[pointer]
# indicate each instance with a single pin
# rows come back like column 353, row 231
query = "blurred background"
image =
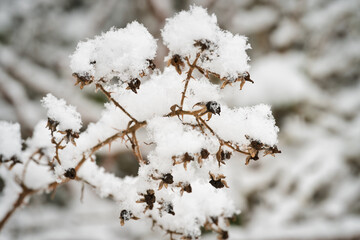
column 305, row 60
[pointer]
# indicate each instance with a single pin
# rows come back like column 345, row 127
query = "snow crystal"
column 122, row 53
column 66, row 115
column 10, row 139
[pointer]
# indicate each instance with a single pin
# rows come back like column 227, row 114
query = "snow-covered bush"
column 178, row 113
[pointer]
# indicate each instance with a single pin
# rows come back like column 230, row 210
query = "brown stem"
column 108, row 95
column 121, row 134
column 26, row 191
column 187, row 80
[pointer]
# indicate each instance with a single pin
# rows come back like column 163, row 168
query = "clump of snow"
column 256, row 122
column 229, row 59
column 191, row 32
column 10, row 139
column 181, row 31
column 122, row 53
column 66, row 115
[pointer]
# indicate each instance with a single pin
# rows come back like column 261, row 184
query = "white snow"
column 59, row 111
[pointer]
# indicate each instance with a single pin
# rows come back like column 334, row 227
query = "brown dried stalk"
column 108, row 95
column 189, row 76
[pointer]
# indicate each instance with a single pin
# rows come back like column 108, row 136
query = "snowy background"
column 305, row 62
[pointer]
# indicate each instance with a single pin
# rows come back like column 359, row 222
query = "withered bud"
column 187, row 188
column 70, row 136
column 169, row 208
column 204, row 153
column 134, row 84
column 70, row 173
column 150, row 198
column 187, row 157
column 177, row 62
column 246, row 76
column 83, row 80
column 225, row 155
column 125, row 215
column 52, row 125
column 204, row 44
column 223, row 235
column 151, row 64
column 168, row 178
column 216, row 183
column 256, row 145
column 213, row 107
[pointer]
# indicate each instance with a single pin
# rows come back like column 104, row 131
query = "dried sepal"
column 52, row 125
column 208, row 108
column 126, row 215
column 149, row 198
column 184, row 187
column 151, row 64
column 165, row 180
column 271, row 151
column 204, row 154
column 70, row 136
column 83, row 80
column 222, row 234
column 167, row 207
column 134, row 85
column 242, row 78
column 203, row 44
column 178, row 62
column 218, row 181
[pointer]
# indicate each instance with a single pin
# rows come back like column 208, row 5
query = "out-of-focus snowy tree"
column 305, row 60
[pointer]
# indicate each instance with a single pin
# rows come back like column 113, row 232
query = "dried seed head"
column 216, row 183
column 134, row 84
column 168, row 178
column 125, row 215
column 151, row 63
column 177, row 62
column 70, row 173
column 150, row 198
column 223, row 235
column 169, row 208
column 213, row 107
column 203, row 44
column 187, row 188
column 84, row 79
column 256, row 145
column 204, row 153
column 52, row 125
column 187, row 157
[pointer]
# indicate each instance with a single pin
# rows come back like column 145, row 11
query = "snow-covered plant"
column 177, row 114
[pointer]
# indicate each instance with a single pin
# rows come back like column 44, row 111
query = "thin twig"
column 189, row 75
column 108, row 95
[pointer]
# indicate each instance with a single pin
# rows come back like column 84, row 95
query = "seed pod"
column 213, row 107
column 168, row 178
column 70, row 173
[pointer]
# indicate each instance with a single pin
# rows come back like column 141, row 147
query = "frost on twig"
column 181, row 185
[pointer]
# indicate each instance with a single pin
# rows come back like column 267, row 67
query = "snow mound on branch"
column 66, row 115
column 122, row 53
column 256, row 122
column 181, row 31
column 222, row 52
